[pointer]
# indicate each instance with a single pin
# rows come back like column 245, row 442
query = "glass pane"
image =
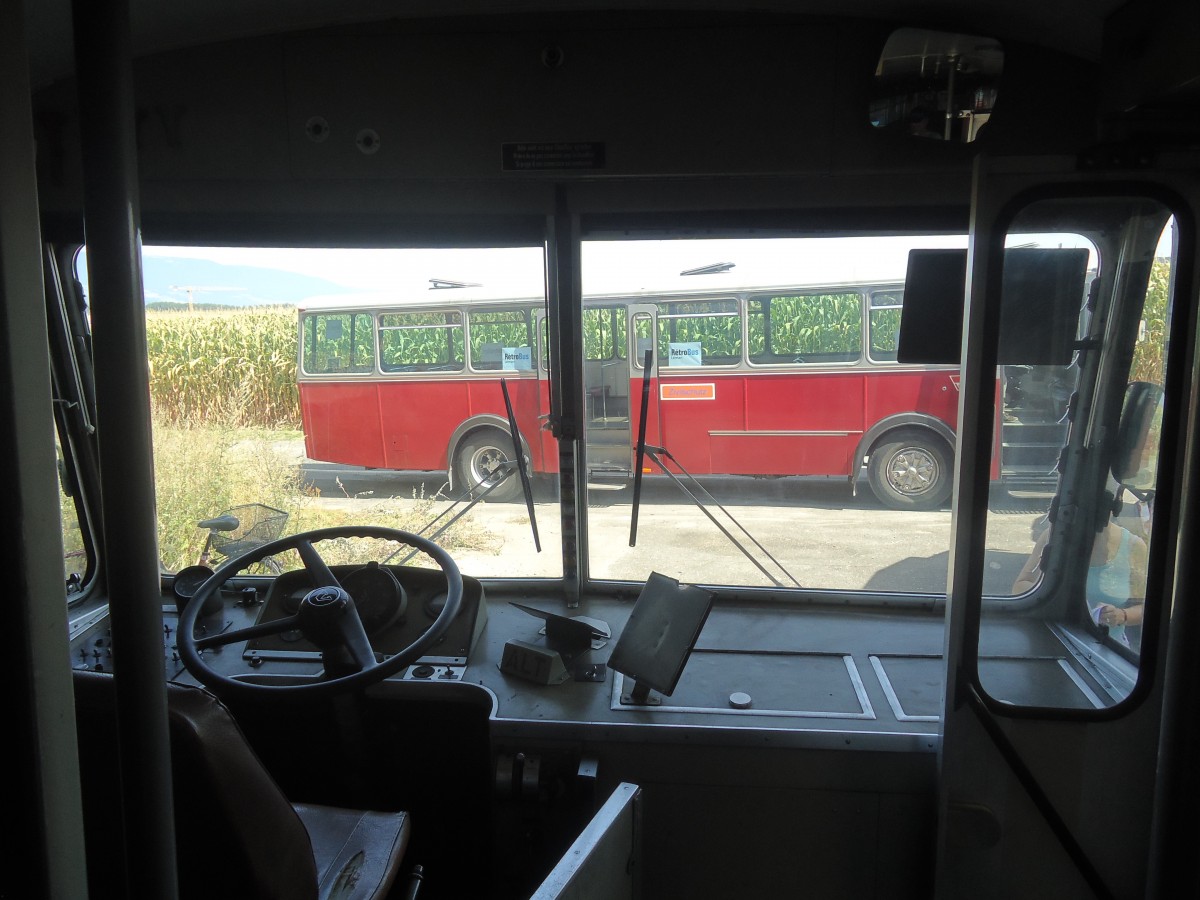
column 75, row 553
column 338, row 343
column 884, row 324
column 775, row 438
column 604, row 333
column 498, row 337
column 1081, row 582
column 236, row 431
column 414, row 342
column 809, row 328
column 643, row 333
column 699, row 333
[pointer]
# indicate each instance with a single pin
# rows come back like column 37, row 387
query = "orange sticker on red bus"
column 687, row 391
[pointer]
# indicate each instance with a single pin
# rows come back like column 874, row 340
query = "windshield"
column 746, row 419
column 276, row 413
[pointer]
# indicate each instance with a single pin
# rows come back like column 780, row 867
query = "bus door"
column 642, row 330
column 1067, row 755
column 606, row 389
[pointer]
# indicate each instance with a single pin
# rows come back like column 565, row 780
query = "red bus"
column 795, row 380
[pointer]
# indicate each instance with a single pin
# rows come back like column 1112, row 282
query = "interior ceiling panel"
column 1071, row 25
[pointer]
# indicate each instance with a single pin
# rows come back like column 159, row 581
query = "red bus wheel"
column 479, row 461
column 911, row 471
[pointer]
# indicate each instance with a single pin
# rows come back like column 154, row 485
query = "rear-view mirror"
column 935, row 84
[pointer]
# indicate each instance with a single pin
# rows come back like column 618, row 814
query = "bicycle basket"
column 258, row 524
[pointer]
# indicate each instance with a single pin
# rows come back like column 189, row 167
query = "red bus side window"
column 884, row 324
column 421, row 342
column 805, row 328
column 338, row 343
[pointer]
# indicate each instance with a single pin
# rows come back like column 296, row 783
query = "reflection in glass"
column 1081, row 588
column 936, row 85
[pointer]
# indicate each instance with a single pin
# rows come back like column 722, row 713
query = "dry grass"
column 203, row 470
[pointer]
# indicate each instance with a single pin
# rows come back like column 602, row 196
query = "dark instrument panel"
column 396, row 604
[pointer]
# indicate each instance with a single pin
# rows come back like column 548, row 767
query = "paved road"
column 821, row 534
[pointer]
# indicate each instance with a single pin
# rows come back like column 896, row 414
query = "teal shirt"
column 1109, row 583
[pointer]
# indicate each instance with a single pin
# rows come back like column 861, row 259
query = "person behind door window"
column 1115, row 585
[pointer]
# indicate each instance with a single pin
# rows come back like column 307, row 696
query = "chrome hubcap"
column 485, row 462
column 912, row 471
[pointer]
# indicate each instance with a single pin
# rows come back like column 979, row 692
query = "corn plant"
column 237, row 367
column 1149, row 354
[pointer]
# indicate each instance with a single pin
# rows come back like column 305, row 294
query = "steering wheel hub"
column 327, row 597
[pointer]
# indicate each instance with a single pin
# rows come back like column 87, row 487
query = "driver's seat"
column 237, row 835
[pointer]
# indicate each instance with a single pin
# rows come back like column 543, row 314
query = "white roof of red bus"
column 633, row 268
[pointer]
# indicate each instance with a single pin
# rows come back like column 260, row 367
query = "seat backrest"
column 236, row 834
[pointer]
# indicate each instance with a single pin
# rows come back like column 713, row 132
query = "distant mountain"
column 213, row 283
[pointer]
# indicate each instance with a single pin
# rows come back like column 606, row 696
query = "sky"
column 239, row 276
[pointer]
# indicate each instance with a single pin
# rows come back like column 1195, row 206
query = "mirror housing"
column 935, row 84
column 1135, row 458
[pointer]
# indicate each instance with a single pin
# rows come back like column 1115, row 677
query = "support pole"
column 43, row 850
column 104, row 72
column 563, row 289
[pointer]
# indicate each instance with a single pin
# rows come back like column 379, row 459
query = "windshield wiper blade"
column 493, row 479
column 522, row 471
column 653, row 452
column 644, row 450
column 641, row 449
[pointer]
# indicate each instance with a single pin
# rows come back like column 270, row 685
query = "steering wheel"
column 327, row 617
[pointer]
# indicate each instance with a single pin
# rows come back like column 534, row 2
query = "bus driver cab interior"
column 584, row 451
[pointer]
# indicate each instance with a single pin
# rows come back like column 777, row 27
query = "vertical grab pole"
column 104, row 70
column 43, row 853
column 564, row 295
column 641, row 449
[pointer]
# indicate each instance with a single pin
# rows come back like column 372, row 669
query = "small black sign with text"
column 534, row 156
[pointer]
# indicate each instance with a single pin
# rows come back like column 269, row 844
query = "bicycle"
column 241, row 529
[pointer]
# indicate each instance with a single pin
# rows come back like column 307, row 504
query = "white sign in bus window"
column 684, row 353
column 518, row 359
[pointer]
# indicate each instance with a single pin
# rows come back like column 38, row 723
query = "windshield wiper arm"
column 522, row 471
column 641, row 449
column 644, row 450
column 493, row 480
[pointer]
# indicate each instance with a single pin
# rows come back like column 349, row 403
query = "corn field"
column 1149, row 354
column 237, row 367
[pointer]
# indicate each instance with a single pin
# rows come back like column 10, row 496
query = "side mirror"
column 1135, row 461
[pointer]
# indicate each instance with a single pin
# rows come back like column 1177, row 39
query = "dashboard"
column 783, row 674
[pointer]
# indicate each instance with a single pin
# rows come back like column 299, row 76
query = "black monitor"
column 1041, row 298
column 659, row 636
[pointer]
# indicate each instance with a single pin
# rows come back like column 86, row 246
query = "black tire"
column 478, row 456
column 911, row 470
